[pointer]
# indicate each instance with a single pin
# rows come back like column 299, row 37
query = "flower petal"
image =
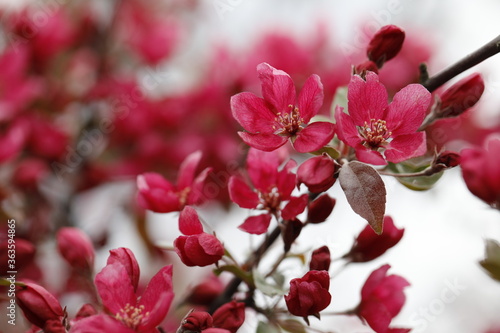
column 99, row 323
column 157, row 298
column 367, row 99
column 126, row 258
column 198, row 193
column 187, row 169
column 253, row 113
column 241, row 194
column 372, row 282
column 407, row 110
column 256, row 225
column 406, row 146
column 294, row 207
column 369, row 156
column 189, row 223
column 277, row 87
column 263, row 141
column 115, row 287
column 311, row 98
column 315, row 136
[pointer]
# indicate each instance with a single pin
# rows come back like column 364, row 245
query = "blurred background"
column 93, row 93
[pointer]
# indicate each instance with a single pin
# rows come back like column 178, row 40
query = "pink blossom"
column 382, row 298
column 270, row 121
column 159, row 195
column 271, row 187
column 380, row 131
column 127, row 311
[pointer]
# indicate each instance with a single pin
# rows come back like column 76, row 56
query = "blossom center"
column 132, row 316
column 375, row 133
column 183, row 196
column 288, row 123
column 271, row 200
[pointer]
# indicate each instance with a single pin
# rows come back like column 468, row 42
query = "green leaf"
column 293, row 326
column 265, row 327
column 422, row 183
column 492, row 261
column 332, row 152
column 365, row 192
column 266, row 287
column 340, row 99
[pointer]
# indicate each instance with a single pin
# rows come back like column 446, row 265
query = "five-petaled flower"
column 379, row 131
column 128, row 313
column 278, row 116
column 272, row 187
column 159, row 195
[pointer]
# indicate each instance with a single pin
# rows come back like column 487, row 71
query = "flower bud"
column 320, row 209
column 54, row 326
column 292, row 229
column 199, row 250
column 230, row 316
column 76, row 248
column 481, row 172
column 385, row 45
column 320, row 259
column 309, row 295
column 207, row 291
column 362, row 68
column 196, row 321
column 461, row 96
column 447, row 159
column 38, row 304
column 369, row 245
column 318, row 173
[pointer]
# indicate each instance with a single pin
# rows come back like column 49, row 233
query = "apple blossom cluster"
column 73, row 120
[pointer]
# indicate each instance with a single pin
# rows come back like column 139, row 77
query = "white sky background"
column 445, row 227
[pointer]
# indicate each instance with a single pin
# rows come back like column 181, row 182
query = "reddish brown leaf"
column 365, row 192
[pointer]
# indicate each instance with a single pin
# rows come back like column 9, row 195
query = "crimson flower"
column 481, row 172
column 128, row 313
column 380, row 131
column 382, row 298
column 309, row 295
column 159, row 195
column 271, row 187
column 369, row 245
column 270, row 121
column 197, row 248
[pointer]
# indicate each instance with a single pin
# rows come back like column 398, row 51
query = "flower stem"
column 489, row 49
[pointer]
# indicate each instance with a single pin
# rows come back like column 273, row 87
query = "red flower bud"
column 320, row 209
column 481, row 172
column 38, row 304
column 318, row 173
column 199, row 250
column 85, row 311
column 309, row 295
column 369, row 245
column 290, row 233
column 386, row 44
column 54, row 326
column 447, row 159
column 230, row 316
column 320, row 259
column 196, row 321
column 461, row 96
column 205, row 292
column 76, row 248
column 366, row 66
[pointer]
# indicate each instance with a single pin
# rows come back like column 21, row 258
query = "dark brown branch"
column 483, row 53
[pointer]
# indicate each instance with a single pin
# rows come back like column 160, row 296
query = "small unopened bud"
column 38, row 305
column 230, row 316
column 320, row 209
column 362, row 68
column 318, row 173
column 385, row 45
column 460, row 97
column 320, row 259
column 447, row 159
column 196, row 321
column 291, row 232
column 76, row 248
